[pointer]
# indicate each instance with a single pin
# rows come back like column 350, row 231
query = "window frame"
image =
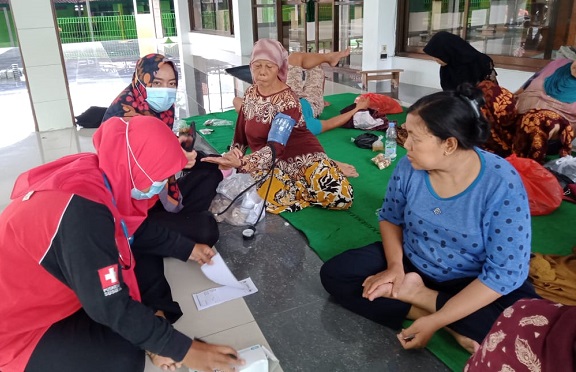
column 502, row 61
column 191, row 4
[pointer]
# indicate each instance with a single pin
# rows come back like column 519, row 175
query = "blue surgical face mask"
column 160, row 99
column 155, row 189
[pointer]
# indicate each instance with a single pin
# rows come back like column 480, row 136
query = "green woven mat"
column 332, row 232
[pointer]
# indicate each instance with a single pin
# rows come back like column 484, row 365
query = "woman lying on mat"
column 303, row 174
column 184, row 204
column 455, row 226
column 82, row 271
column 306, row 78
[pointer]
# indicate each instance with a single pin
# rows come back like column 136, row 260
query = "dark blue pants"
column 343, row 275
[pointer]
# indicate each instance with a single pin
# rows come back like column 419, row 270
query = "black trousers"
column 343, row 275
column 198, row 188
column 77, row 343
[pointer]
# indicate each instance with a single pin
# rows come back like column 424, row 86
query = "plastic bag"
column 383, row 104
column 245, row 210
column 363, row 120
column 565, row 165
column 218, row 122
column 543, row 189
column 365, row 140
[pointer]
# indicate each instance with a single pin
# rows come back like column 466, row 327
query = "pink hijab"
column 273, row 51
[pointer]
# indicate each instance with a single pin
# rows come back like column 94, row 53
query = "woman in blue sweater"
column 455, row 227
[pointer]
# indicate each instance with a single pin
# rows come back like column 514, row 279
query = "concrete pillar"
column 379, row 29
column 44, row 66
column 243, row 26
column 183, row 27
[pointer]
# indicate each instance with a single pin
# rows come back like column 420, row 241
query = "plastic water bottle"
column 390, row 147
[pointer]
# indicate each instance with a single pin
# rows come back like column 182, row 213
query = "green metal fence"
column 169, row 24
column 77, row 29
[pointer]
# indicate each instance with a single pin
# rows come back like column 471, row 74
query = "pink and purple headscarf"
column 273, row 51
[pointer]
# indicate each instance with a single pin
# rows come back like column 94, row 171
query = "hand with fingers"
column 419, row 333
column 383, row 284
column 202, row 253
column 229, row 160
column 362, row 103
column 164, row 363
column 209, row 357
column 191, row 157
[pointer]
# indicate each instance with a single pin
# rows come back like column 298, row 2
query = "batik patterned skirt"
column 300, row 183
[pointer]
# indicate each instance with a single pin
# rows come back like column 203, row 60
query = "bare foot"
column 335, row 57
column 347, row 169
column 410, row 287
column 467, row 343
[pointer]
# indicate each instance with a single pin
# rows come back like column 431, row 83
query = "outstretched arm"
column 338, row 121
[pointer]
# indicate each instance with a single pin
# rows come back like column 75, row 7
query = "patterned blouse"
column 253, row 125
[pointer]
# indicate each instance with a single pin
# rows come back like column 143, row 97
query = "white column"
column 44, row 67
column 243, row 26
column 183, row 28
column 379, row 29
column 157, row 15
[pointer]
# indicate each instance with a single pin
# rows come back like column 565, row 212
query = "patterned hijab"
column 561, row 85
column 273, row 51
column 132, row 100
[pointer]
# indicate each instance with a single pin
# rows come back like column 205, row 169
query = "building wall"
column 240, row 43
column 379, row 29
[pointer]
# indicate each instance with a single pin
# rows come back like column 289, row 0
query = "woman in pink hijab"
column 303, row 175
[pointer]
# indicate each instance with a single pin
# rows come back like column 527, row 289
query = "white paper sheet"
column 230, row 288
column 219, row 273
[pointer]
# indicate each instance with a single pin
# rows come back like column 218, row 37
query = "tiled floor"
column 291, row 313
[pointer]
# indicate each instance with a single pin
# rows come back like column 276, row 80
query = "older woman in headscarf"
column 303, row 174
column 460, row 61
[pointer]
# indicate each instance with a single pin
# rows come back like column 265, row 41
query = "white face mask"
column 160, row 99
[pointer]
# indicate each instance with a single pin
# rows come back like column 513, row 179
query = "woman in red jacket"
column 80, row 263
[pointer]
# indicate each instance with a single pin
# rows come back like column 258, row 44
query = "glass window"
column 265, row 18
column 511, row 31
column 211, row 16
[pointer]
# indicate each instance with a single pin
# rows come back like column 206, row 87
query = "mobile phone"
column 189, row 137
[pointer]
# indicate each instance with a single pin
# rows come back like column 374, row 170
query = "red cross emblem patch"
column 109, row 279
